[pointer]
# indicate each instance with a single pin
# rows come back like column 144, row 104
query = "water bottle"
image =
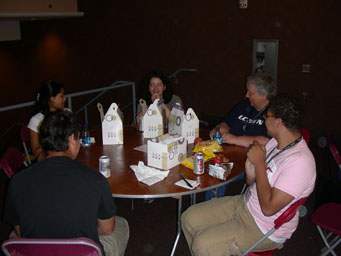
column 217, row 135
column 85, row 136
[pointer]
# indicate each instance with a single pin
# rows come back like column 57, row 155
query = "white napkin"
column 183, row 184
column 148, row 175
column 143, row 148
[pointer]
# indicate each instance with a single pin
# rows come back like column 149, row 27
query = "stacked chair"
column 327, row 219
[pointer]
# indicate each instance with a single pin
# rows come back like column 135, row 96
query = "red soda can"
column 199, row 164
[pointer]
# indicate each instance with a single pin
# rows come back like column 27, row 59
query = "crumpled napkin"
column 148, row 175
column 183, row 184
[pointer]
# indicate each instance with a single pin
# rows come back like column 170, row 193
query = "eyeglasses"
column 266, row 116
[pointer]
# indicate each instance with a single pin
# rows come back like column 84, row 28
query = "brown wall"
column 124, row 39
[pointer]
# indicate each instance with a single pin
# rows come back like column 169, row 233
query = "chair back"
column 286, row 216
column 306, row 135
column 25, row 134
column 334, row 151
column 51, row 247
column 25, row 139
column 12, row 161
column 289, row 213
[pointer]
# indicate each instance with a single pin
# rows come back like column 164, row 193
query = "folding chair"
column 51, row 247
column 336, row 155
column 327, row 219
column 25, row 138
column 12, row 161
column 306, row 135
column 285, row 217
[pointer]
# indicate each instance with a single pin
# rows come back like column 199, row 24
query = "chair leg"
column 193, row 199
column 215, row 192
column 243, row 189
column 329, row 245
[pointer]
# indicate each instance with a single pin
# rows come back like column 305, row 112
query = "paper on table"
column 143, row 148
column 148, row 175
column 183, row 184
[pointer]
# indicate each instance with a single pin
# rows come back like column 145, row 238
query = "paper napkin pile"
column 183, row 184
column 148, row 175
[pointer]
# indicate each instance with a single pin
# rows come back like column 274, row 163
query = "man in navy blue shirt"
column 245, row 123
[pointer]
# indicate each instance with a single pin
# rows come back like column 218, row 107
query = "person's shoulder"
column 35, row 121
column 37, row 117
column 85, row 170
column 245, row 103
column 23, row 176
column 176, row 98
column 305, row 152
column 242, row 106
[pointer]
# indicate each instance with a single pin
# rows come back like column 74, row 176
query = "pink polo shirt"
column 293, row 172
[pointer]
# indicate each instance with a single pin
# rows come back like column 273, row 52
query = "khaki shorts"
column 222, row 226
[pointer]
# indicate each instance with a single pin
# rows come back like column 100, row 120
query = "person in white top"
column 49, row 99
column 279, row 173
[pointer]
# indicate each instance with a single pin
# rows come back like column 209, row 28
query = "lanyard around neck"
column 259, row 113
column 282, row 150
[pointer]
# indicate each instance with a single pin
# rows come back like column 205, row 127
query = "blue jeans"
column 220, row 191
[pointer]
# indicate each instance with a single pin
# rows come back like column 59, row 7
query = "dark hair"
column 144, row 87
column 55, row 131
column 49, row 89
column 264, row 83
column 289, row 109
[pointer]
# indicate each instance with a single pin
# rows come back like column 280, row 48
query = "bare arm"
column 106, row 227
column 17, row 230
column 243, row 141
column 271, row 200
column 250, row 172
column 138, row 118
column 35, row 145
column 223, row 128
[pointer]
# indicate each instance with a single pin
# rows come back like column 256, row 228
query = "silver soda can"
column 141, row 123
column 104, row 166
column 199, row 165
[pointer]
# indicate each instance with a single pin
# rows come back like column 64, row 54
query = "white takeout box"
column 166, row 151
column 152, row 121
column 112, row 127
column 185, row 125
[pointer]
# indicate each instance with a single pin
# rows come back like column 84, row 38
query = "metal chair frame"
column 327, row 221
column 25, row 137
column 283, row 218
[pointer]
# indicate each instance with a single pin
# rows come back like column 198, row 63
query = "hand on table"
column 228, row 138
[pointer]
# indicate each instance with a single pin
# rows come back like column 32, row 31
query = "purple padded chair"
column 12, row 161
column 51, row 247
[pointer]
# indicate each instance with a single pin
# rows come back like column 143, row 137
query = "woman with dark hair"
column 155, row 85
column 49, row 100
